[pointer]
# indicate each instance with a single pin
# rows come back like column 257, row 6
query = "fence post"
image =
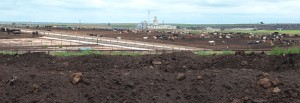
column 97, row 41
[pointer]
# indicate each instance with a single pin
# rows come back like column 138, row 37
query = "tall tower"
column 155, row 21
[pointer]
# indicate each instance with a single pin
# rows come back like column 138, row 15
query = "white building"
column 157, row 26
column 162, row 27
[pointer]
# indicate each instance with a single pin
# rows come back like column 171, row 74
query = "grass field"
column 88, row 52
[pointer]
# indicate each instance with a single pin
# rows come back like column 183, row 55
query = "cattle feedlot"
column 59, row 64
column 149, row 51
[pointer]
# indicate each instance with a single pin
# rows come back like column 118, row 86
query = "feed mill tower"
column 155, row 21
column 156, row 25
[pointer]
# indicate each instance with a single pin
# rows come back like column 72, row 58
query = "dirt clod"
column 199, row 77
column 156, row 62
column 265, row 82
column 180, row 76
column 75, row 78
column 118, row 79
column 276, row 90
column 275, row 82
column 243, row 63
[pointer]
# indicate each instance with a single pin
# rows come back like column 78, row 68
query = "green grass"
column 90, row 52
column 67, row 54
column 8, row 52
column 125, row 53
column 280, row 51
column 45, row 46
column 209, row 53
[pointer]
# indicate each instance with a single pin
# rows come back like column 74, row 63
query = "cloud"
column 175, row 11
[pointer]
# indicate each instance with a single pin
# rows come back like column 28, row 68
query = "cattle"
column 163, row 37
column 14, row 31
column 228, row 36
column 255, row 42
column 145, row 38
column 35, row 33
column 202, row 36
column 126, row 32
column 154, row 37
column 134, row 31
column 118, row 37
column 212, row 42
column 3, row 29
column 92, row 34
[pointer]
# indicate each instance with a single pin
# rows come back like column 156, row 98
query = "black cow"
column 35, row 33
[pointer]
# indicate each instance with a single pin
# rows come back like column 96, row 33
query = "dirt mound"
column 176, row 77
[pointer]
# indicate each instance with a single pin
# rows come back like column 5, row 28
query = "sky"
column 167, row 11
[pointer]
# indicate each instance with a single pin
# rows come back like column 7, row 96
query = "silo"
column 155, row 21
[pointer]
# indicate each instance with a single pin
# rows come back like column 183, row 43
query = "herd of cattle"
column 271, row 39
column 252, row 39
column 11, row 31
column 16, row 31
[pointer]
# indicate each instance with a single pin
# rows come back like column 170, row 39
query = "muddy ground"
column 168, row 78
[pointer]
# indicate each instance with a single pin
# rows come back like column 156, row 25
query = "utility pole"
column 79, row 23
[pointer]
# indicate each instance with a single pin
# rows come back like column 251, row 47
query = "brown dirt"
column 177, row 77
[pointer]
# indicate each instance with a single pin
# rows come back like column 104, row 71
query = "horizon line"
column 30, row 22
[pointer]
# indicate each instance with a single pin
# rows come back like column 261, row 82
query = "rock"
column 75, row 78
column 276, row 90
column 180, row 76
column 276, row 82
column 199, row 77
column 243, row 63
column 155, row 62
column 35, row 88
column 265, row 82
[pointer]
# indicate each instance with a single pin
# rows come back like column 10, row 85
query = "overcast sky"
column 134, row 11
